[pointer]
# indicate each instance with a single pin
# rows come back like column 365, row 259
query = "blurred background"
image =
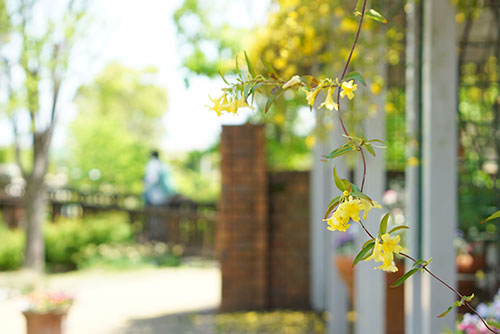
column 212, row 233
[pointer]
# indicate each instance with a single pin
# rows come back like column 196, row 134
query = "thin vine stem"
column 344, row 129
column 346, row 66
column 424, row 267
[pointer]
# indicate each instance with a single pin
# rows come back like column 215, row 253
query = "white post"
column 328, row 292
column 413, row 311
column 439, row 159
column 370, row 283
column 317, row 231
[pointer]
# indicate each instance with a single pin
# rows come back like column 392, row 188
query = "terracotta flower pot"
column 44, row 323
column 394, row 296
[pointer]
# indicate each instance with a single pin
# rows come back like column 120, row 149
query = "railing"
column 181, row 221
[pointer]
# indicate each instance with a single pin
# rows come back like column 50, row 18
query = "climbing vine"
column 347, row 207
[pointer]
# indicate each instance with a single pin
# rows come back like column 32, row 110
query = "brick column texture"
column 242, row 228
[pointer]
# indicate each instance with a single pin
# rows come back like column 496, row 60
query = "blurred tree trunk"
column 36, row 202
column 44, row 44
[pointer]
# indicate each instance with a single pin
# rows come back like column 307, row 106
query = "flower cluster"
column 384, row 250
column 49, row 302
column 472, row 324
column 227, row 104
column 349, row 208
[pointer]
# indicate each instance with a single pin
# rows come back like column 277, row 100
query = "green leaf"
column 376, row 140
column 270, row 68
column 359, row 5
column 364, row 252
column 369, row 148
column 223, row 78
column 249, row 65
column 405, row 277
column 374, row 15
column 455, row 304
column 336, row 199
column 360, row 194
column 246, row 90
column 275, row 94
column 419, row 262
column 356, row 76
column 458, row 303
column 367, row 242
column 331, row 207
column 493, row 324
column 493, row 216
column 397, row 228
column 356, row 189
column 338, row 182
column 339, row 151
column 383, row 223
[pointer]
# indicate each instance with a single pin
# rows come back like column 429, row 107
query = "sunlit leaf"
column 383, row 223
column 331, row 207
column 493, row 216
column 223, row 78
column 369, row 148
column 275, row 94
column 338, row 182
column 419, row 262
column 249, row 65
column 360, row 194
column 356, row 76
column 404, row 277
column 458, row 303
column 493, row 324
column 364, row 252
column 339, row 151
column 397, row 228
column 374, row 15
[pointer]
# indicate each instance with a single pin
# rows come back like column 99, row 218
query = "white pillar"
column 370, row 283
column 439, row 159
column 413, row 311
column 328, row 292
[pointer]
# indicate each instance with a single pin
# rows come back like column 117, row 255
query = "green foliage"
column 364, row 252
column 200, row 24
column 458, row 303
column 290, row 322
column 197, row 174
column 65, row 239
column 11, row 248
column 403, row 278
column 127, row 255
column 117, row 126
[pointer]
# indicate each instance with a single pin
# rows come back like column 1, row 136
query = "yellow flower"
column 328, row 103
column 337, row 223
column 391, row 245
column 368, row 205
column 217, row 104
column 388, row 265
column 230, row 105
column 348, row 88
column 295, row 80
column 351, row 208
column 311, row 95
column 376, row 254
column 383, row 251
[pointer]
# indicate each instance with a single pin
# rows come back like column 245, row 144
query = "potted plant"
column 46, row 312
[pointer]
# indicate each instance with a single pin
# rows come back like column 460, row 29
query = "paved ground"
column 148, row 301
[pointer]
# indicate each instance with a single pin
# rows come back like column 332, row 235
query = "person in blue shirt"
column 157, row 190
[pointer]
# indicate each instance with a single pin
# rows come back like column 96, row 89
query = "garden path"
column 147, row 301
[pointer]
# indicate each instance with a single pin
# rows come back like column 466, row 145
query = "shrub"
column 66, row 238
column 11, row 248
column 128, row 255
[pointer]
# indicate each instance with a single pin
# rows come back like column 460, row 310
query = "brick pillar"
column 289, row 240
column 242, row 230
